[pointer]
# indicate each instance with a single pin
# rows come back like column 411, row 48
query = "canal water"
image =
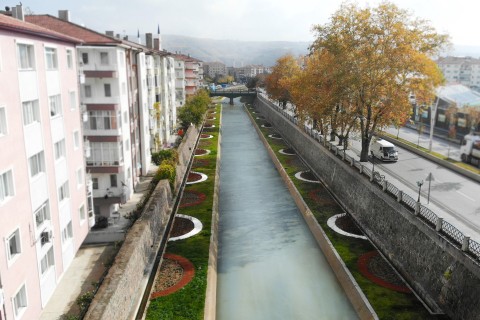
column 269, row 265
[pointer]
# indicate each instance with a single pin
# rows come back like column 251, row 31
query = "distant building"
column 250, row 71
column 213, row 69
column 44, row 208
column 463, row 70
column 193, row 73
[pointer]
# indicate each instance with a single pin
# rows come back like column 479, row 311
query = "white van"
column 384, row 150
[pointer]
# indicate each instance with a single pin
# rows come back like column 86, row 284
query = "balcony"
column 100, row 74
column 86, row 148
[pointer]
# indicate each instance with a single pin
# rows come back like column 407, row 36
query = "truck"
column 384, row 150
column 470, row 149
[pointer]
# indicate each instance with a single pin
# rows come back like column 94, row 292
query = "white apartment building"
column 462, row 70
column 44, row 207
column 180, row 93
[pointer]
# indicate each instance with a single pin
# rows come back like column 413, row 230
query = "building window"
column 79, row 177
column 113, row 180
column 60, row 149
column 20, row 301
column 6, row 185
column 36, row 164
column 81, row 212
column 31, row 112
column 73, row 99
column 88, row 91
column 26, row 56
column 67, row 233
column 51, row 58
column 105, row 154
column 85, row 58
column 104, row 58
column 55, row 105
column 47, row 261
column 122, row 59
column 63, row 192
column 13, row 245
column 108, row 90
column 95, row 183
column 101, row 120
column 42, row 214
column 3, row 121
column 76, row 139
column 69, row 59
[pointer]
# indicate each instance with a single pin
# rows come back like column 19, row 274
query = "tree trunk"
column 284, row 103
column 340, row 140
column 365, row 148
column 332, row 135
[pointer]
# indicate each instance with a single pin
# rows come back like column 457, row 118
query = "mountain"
column 232, row 52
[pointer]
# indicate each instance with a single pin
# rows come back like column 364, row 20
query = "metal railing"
column 430, row 218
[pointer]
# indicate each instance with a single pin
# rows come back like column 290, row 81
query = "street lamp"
column 419, row 184
column 373, row 162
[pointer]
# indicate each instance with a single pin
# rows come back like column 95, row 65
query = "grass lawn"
column 388, row 304
column 188, row 302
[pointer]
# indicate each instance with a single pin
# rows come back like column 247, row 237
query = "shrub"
column 84, row 300
column 158, row 157
column 101, row 222
column 166, row 171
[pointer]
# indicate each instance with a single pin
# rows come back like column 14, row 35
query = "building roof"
column 71, row 29
column 185, row 57
column 16, row 25
column 459, row 94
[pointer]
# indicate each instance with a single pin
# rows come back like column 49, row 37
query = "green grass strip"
column 189, row 302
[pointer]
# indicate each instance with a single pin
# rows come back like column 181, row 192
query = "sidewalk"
column 91, row 260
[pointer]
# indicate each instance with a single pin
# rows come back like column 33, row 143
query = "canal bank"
column 269, row 264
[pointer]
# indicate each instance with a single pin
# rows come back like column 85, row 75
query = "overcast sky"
column 262, row 20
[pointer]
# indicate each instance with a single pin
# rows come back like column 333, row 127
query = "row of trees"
column 361, row 69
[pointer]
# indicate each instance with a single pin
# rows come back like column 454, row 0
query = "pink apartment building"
column 193, row 73
column 44, row 209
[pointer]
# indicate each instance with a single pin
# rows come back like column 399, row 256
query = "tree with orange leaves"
column 276, row 83
column 379, row 56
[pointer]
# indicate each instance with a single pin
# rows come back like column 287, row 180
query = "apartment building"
column 180, row 93
column 213, row 69
column 113, row 69
column 250, row 71
column 44, row 209
column 462, row 70
column 193, row 73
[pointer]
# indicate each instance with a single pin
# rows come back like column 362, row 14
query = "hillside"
column 233, row 52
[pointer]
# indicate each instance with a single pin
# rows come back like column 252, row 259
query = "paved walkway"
column 89, row 263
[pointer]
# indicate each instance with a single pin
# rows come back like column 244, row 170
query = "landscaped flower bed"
column 189, row 301
column 387, row 302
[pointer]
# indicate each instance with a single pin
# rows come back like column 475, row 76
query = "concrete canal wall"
column 441, row 274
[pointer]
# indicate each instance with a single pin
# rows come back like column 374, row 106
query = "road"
column 452, row 196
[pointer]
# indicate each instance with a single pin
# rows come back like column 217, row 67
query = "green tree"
column 381, row 55
column 194, row 109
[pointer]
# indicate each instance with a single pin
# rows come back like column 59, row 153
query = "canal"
column 269, row 265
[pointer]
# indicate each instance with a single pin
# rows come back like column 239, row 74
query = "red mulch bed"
column 289, row 151
column 211, row 118
column 175, row 273
column 199, row 163
column 191, row 198
column 192, row 177
column 276, row 135
column 205, row 136
column 373, row 267
column 267, row 125
column 308, row 175
column 181, row 226
column 322, row 197
column 200, row 152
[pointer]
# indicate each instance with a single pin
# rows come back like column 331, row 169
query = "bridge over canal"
column 234, row 93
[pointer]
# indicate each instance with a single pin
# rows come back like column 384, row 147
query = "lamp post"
column 373, row 162
column 419, row 184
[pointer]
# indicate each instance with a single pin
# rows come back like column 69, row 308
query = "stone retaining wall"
column 122, row 289
column 439, row 272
